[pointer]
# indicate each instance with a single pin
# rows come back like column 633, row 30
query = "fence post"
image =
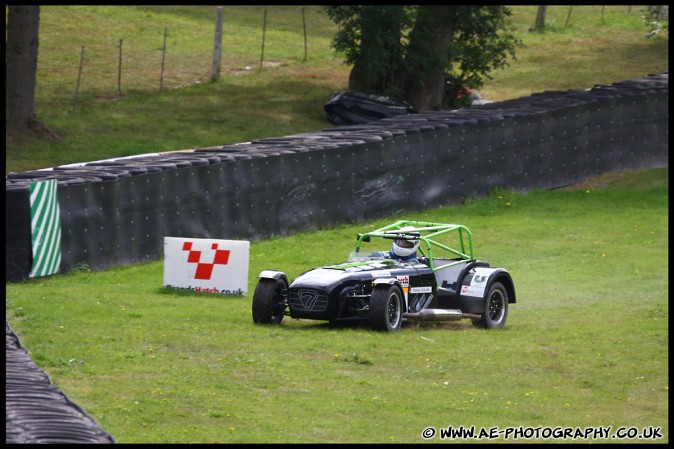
column 264, row 30
column 163, row 60
column 217, row 44
column 119, row 70
column 304, row 25
column 566, row 24
column 79, row 77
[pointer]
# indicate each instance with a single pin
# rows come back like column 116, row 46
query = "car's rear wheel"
column 495, row 308
column 386, row 308
column 269, row 302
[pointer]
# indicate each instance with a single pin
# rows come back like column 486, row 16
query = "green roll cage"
column 426, row 232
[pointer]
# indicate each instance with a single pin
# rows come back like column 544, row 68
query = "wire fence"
column 112, row 70
column 179, row 58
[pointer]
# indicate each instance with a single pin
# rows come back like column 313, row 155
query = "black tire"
column 269, row 301
column 386, row 308
column 495, row 308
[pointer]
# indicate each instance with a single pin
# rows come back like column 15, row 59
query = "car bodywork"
column 445, row 282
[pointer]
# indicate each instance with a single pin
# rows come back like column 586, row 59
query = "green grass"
column 585, row 345
column 594, row 48
column 286, row 96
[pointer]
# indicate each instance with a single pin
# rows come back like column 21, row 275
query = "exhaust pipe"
column 439, row 315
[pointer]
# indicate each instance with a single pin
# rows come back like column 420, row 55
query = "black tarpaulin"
column 350, row 108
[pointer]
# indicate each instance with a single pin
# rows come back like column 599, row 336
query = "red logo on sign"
column 204, row 270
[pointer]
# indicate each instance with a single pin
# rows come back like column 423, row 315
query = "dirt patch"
column 108, row 98
column 34, row 129
column 251, row 69
column 598, row 182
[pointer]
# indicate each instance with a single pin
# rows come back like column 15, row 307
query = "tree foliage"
column 379, row 50
column 423, row 54
column 656, row 18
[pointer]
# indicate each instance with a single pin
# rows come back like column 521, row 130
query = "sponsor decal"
column 478, row 283
column 467, row 290
column 381, row 274
column 404, row 281
column 428, row 289
column 479, row 279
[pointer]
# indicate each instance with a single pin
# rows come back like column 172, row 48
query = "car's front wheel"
column 386, row 308
column 495, row 308
column 269, row 301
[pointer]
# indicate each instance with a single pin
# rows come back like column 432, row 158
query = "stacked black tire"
column 36, row 411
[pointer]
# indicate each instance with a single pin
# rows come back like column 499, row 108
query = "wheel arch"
column 274, row 275
column 385, row 281
column 506, row 280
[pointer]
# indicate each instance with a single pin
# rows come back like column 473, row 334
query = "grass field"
column 586, row 345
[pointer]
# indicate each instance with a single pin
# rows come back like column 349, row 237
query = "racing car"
column 444, row 283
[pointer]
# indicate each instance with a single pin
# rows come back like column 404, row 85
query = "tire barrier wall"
column 117, row 212
column 36, row 411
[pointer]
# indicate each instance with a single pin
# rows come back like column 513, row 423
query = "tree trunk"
column 428, row 50
column 21, row 65
column 540, row 18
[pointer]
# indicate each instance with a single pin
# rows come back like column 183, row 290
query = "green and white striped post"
column 45, row 226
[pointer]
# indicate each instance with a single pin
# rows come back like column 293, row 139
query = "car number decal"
column 478, row 283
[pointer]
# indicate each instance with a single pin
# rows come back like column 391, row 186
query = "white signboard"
column 206, row 265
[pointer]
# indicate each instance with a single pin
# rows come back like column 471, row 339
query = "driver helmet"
column 405, row 248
